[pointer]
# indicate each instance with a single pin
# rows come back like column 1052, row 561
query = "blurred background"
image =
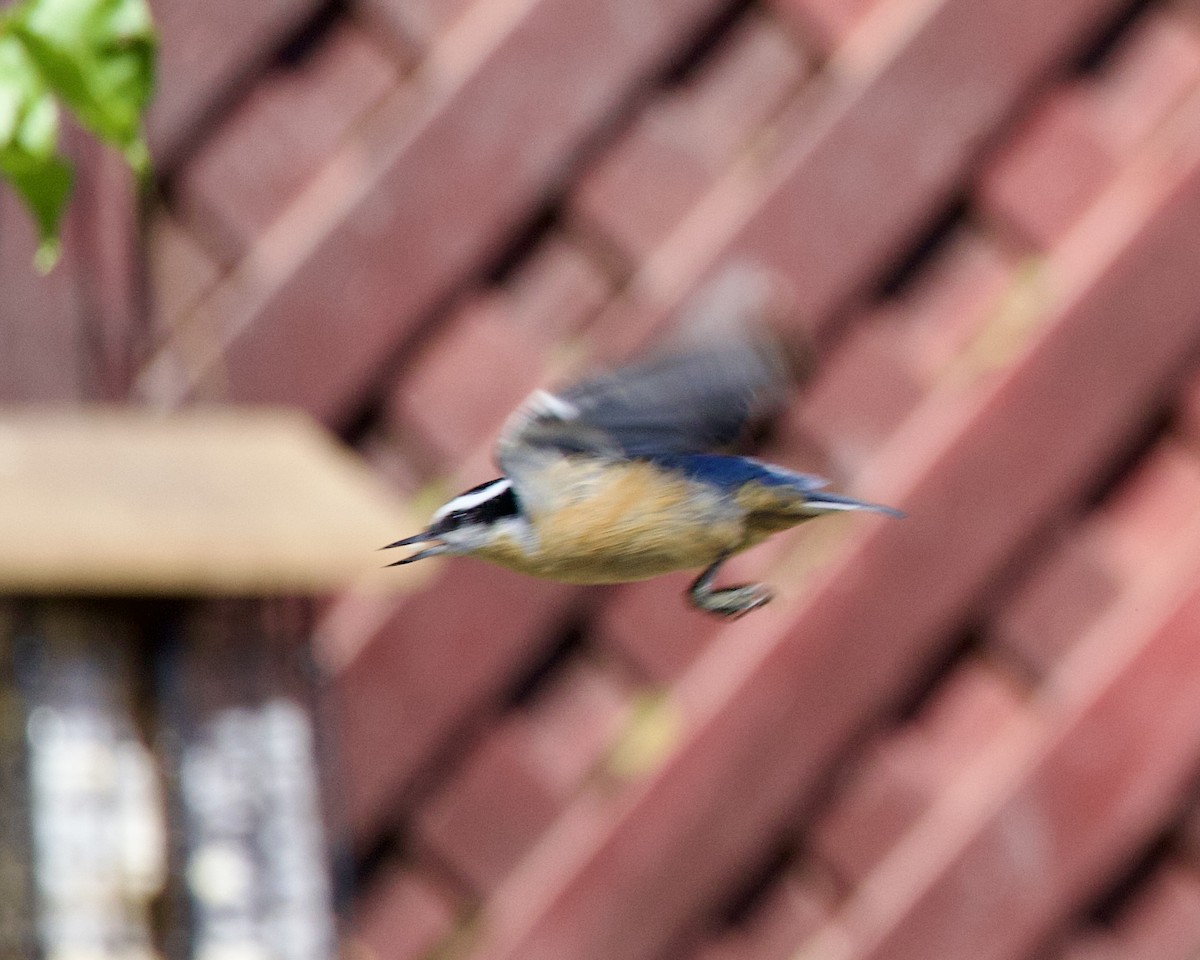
column 975, row 733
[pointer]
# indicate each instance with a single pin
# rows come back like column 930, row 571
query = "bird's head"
column 465, row 524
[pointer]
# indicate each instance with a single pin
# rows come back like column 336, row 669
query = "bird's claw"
column 732, row 602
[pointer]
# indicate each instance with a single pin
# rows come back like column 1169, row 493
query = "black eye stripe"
column 500, row 505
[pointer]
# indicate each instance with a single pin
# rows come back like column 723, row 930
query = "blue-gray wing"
column 692, row 401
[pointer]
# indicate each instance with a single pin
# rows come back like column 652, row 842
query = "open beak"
column 424, row 537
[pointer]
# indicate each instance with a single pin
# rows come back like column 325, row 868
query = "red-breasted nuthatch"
column 614, row 480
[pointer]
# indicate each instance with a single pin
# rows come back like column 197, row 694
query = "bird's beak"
column 423, row 537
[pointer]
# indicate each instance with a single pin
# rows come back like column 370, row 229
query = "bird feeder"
column 162, row 759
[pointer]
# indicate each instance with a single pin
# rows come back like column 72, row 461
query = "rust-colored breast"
column 610, row 523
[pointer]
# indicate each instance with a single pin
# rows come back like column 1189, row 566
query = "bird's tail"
column 817, row 502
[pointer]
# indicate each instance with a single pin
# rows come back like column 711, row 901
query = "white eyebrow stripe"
column 468, row 500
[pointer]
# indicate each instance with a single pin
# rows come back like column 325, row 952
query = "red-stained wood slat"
column 504, row 103
column 204, row 49
column 1034, row 828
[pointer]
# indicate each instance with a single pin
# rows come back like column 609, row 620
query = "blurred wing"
column 687, row 402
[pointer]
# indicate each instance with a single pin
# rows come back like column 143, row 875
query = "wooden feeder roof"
column 215, row 501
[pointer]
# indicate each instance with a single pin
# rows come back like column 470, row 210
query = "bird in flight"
column 615, row 479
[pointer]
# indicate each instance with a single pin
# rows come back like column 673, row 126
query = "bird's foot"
column 731, row 602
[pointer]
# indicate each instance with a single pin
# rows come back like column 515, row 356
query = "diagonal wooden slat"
column 421, row 198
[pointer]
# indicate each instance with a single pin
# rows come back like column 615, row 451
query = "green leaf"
column 29, row 157
column 44, row 184
column 98, row 56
